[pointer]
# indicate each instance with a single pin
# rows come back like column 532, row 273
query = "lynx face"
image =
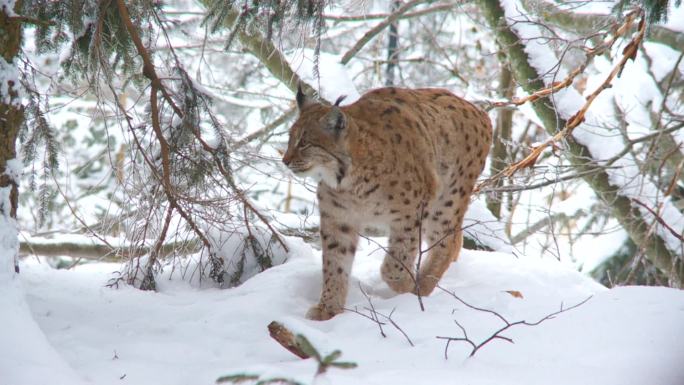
column 317, row 145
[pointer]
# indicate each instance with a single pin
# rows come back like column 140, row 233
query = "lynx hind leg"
column 459, row 245
column 444, row 239
column 398, row 267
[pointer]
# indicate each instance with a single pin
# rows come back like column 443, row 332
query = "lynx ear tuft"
column 339, row 100
column 303, row 100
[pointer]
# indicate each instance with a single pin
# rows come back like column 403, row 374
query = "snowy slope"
column 26, row 357
column 185, row 335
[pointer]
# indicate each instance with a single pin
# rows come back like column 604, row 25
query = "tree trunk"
column 11, row 110
column 502, row 135
column 392, row 46
column 622, row 208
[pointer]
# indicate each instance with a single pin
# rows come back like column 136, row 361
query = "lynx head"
column 318, row 141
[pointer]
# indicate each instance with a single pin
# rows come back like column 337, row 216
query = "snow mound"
column 327, row 76
column 185, row 335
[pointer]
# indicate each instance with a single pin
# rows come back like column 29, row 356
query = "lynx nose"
column 287, row 158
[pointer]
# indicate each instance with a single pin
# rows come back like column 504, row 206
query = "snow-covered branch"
column 535, row 67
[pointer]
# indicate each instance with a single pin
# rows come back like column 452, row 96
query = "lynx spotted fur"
column 402, row 159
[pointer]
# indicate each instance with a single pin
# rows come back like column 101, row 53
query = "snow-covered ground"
column 65, row 327
column 187, row 335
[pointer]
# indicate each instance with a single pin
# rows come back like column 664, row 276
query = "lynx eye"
column 304, row 145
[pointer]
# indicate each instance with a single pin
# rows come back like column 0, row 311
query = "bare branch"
column 422, row 12
column 660, row 220
column 374, row 316
column 496, row 334
column 370, row 34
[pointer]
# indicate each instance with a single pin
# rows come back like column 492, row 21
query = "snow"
column 68, row 327
column 237, row 251
column 480, row 224
column 666, row 59
column 9, row 244
column 675, row 17
column 185, row 335
column 7, row 6
column 26, row 357
column 675, row 13
column 333, row 80
column 9, row 82
column 14, row 168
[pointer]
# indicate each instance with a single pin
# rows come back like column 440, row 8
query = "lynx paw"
column 322, row 312
column 425, row 286
column 397, row 278
column 400, row 286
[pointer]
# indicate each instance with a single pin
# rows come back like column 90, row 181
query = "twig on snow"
column 374, row 316
column 497, row 334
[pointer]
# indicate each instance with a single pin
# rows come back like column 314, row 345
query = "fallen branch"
column 286, row 339
column 103, row 252
column 302, row 348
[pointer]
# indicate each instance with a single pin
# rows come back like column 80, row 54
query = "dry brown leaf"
column 515, row 293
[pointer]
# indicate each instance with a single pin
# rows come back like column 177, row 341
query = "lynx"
column 403, row 159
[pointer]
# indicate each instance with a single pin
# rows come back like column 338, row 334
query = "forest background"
column 149, row 134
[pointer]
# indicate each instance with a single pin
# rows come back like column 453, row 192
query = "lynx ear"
column 335, row 121
column 303, row 100
column 339, row 100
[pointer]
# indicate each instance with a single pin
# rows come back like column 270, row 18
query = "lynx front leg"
column 339, row 242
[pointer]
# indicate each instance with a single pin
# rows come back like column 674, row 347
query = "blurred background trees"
column 152, row 130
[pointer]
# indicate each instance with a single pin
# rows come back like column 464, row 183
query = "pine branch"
column 261, row 48
column 31, row 20
column 157, row 85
